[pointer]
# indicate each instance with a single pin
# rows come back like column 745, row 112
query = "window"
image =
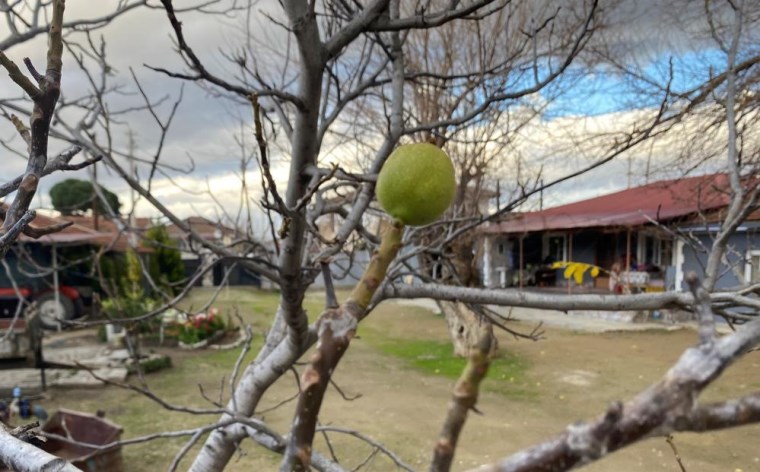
column 654, row 251
column 651, row 253
column 752, row 267
column 555, row 248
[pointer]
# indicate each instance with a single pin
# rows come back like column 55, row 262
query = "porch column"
column 627, row 269
column 678, row 260
column 520, row 273
column 487, row 262
column 56, row 287
column 569, row 258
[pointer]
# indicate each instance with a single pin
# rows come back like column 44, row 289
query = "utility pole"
column 95, row 222
column 132, row 194
column 541, row 195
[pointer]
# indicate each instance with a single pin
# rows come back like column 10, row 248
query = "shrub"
column 132, row 306
column 165, row 263
column 153, row 364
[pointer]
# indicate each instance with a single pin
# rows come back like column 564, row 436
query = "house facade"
column 129, row 232
column 654, row 234
column 54, row 269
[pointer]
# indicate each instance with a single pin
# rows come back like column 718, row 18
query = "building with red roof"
column 55, row 269
column 645, row 228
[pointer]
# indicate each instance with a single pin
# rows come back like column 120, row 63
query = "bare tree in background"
column 510, row 47
column 340, row 58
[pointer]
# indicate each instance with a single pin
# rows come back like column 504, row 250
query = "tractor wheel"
column 52, row 311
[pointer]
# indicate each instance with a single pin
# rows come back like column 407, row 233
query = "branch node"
column 703, row 309
column 331, row 300
column 32, row 70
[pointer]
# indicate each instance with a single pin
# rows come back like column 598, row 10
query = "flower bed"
column 200, row 330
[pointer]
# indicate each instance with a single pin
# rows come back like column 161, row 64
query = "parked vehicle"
column 70, row 302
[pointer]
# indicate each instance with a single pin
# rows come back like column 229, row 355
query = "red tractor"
column 70, row 302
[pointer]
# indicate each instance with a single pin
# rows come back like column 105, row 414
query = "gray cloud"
column 206, row 126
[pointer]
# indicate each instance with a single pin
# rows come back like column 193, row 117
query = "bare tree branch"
column 24, row 457
column 463, row 399
column 669, row 405
column 44, row 107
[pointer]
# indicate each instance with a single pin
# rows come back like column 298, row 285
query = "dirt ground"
column 566, row 377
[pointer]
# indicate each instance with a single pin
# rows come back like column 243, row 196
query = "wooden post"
column 56, row 287
column 487, row 261
column 569, row 258
column 95, row 199
column 627, row 269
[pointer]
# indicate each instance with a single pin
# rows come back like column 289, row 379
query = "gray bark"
column 667, row 406
column 466, row 328
column 23, row 457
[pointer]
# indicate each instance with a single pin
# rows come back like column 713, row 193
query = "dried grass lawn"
column 401, row 366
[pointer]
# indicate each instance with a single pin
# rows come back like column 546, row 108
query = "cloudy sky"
column 205, row 136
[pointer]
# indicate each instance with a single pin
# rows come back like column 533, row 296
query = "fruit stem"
column 378, row 266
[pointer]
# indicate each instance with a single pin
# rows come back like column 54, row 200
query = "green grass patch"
column 506, row 375
column 431, row 357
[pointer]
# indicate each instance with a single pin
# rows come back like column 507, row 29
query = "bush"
column 150, row 365
column 131, row 301
column 132, row 306
column 165, row 263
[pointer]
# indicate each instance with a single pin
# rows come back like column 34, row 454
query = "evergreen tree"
column 74, row 197
column 165, row 263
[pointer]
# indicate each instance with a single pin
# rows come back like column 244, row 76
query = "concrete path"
column 30, row 380
column 584, row 321
column 65, row 352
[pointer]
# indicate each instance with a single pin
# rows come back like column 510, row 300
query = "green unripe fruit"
column 416, row 184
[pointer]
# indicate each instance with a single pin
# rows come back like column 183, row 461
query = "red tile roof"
column 81, row 232
column 660, row 201
column 205, row 228
column 72, row 234
column 106, row 224
column 112, row 236
column 119, row 240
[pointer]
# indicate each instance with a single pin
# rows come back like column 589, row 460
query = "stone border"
column 202, row 344
column 209, row 343
column 239, row 342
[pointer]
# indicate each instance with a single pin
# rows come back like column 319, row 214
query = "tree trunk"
column 24, row 457
column 466, row 328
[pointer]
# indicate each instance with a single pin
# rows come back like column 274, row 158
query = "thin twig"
column 331, row 300
column 387, row 452
column 239, row 361
column 343, row 394
column 672, row 444
column 258, row 132
column 183, row 452
column 330, row 447
column 19, row 78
